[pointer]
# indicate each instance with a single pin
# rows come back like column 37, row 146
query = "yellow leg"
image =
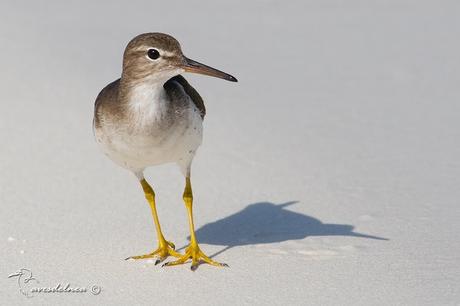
column 193, row 251
column 165, row 248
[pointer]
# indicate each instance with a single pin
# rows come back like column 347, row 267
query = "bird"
column 150, row 116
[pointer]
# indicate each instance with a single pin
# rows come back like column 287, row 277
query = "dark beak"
column 195, row 67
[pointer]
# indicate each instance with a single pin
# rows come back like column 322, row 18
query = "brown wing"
column 189, row 90
column 106, row 101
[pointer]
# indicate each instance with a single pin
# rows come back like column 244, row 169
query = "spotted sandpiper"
column 152, row 116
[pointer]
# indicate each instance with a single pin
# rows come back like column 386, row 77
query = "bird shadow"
column 266, row 222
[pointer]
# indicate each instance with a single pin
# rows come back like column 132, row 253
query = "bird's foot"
column 164, row 250
column 194, row 252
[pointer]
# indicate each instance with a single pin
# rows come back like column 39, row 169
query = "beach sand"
column 328, row 175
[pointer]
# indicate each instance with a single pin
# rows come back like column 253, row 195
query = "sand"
column 329, row 175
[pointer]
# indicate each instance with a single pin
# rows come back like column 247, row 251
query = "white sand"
column 350, row 109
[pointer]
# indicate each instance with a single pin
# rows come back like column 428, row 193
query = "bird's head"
column 158, row 57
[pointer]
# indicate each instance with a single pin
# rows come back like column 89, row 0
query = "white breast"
column 154, row 134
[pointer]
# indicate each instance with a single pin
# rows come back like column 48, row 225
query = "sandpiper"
column 152, row 116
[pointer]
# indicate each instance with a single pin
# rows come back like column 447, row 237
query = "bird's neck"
column 135, row 82
column 142, row 94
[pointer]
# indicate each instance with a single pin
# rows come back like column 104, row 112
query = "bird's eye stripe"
column 167, row 54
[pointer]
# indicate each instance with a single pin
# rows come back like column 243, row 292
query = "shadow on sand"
column 266, row 222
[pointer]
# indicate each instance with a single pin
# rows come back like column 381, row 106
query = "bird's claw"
column 198, row 257
column 165, row 250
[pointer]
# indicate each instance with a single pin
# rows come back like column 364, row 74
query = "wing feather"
column 189, row 90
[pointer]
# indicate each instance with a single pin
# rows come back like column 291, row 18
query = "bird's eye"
column 153, row 54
